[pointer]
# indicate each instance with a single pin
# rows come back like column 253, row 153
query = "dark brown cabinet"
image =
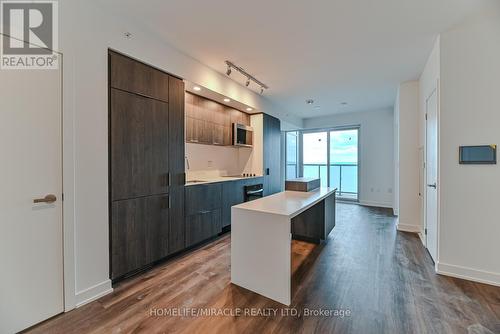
column 146, row 165
column 209, row 122
column 140, row 133
column 203, row 212
column 176, row 165
column 139, row 233
column 133, row 76
column 202, row 226
column 316, row 223
column 272, row 155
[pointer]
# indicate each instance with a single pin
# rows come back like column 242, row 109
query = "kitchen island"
column 261, row 237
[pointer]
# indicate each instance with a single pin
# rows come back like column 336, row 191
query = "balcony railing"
column 344, row 177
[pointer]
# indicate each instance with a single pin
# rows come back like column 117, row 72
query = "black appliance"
column 254, row 191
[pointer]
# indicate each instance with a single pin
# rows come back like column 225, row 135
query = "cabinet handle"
column 169, row 179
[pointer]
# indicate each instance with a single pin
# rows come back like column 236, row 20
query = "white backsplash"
column 206, row 161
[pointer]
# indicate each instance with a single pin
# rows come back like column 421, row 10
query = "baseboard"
column 470, row 274
column 421, row 236
column 376, row 204
column 408, row 228
column 94, row 292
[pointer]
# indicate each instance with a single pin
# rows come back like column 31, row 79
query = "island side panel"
column 261, row 253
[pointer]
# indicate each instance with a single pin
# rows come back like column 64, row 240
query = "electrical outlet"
column 210, row 163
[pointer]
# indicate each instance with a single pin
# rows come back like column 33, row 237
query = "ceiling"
column 331, row 51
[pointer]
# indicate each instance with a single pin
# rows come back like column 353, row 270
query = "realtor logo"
column 29, row 34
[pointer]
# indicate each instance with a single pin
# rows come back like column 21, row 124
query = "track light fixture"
column 250, row 78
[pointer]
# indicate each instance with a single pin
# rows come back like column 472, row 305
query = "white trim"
column 468, row 274
column 376, row 204
column 408, row 228
column 94, row 292
column 396, row 211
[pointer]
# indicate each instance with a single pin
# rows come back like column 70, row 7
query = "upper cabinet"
column 209, row 122
column 135, row 77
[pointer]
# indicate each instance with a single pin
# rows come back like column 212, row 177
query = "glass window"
column 291, row 154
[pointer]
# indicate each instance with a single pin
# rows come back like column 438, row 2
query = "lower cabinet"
column 203, row 212
column 203, row 225
column 139, row 233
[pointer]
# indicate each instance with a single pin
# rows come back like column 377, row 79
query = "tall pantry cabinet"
column 146, row 164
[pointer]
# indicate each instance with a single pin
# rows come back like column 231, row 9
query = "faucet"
column 187, row 161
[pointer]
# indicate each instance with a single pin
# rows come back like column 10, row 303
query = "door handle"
column 47, row 199
column 434, row 185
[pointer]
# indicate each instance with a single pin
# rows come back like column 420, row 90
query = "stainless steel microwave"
column 242, row 135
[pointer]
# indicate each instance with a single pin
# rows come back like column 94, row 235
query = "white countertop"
column 287, row 203
column 215, row 179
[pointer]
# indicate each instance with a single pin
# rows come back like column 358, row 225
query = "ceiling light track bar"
column 231, row 65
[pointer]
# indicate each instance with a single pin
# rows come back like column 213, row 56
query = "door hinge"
column 62, row 197
column 425, row 116
column 425, row 231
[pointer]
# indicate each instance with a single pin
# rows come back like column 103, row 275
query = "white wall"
column 376, row 152
column 86, row 32
column 470, row 115
column 407, row 165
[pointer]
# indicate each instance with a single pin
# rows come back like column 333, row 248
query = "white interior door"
column 431, row 177
column 31, row 248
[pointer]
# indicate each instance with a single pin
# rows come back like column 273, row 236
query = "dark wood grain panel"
column 132, row 76
column 272, row 154
column 139, row 233
column 202, row 226
column 330, row 214
column 203, row 197
column 176, row 153
column 310, row 224
column 139, row 145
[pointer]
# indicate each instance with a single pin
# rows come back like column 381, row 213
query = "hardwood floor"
column 383, row 277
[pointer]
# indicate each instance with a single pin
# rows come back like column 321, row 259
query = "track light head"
column 228, row 72
column 261, row 90
column 248, row 82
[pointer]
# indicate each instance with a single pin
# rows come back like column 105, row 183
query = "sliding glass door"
column 315, row 156
column 331, row 155
column 343, row 162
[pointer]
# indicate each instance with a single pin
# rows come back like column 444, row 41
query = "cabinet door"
column 133, row 76
column 139, row 233
column 202, row 226
column 203, row 197
column 227, row 136
column 176, row 165
column 138, row 145
column 232, row 194
column 272, row 155
column 218, row 135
